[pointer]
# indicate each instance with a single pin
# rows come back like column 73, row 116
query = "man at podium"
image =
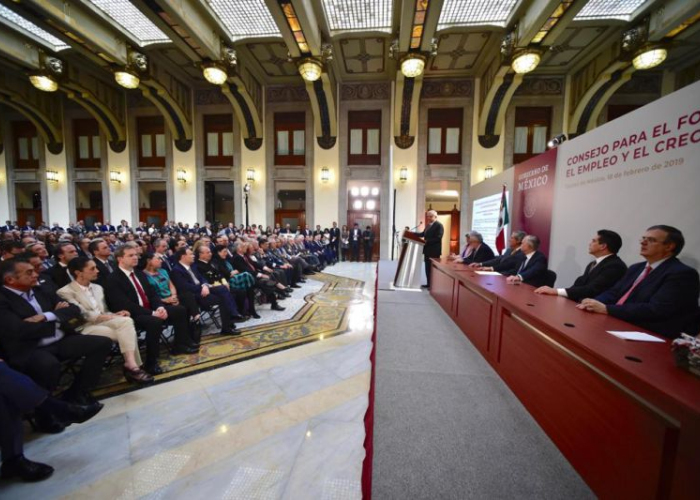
column 432, row 233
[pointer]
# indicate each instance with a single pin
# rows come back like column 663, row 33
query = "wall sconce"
column 325, row 174
column 115, row 176
column 52, row 176
column 403, row 174
column 250, row 175
column 488, row 172
column 181, row 176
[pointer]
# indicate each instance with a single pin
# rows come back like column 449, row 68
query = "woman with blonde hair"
column 89, row 297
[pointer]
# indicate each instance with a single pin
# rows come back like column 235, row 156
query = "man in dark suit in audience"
column 600, row 274
column 102, row 254
column 19, row 394
column 659, row 294
column 533, row 269
column 38, row 333
column 58, row 274
column 475, row 250
column 432, row 233
column 187, row 279
column 128, row 289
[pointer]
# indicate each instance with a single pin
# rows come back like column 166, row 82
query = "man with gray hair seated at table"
column 475, row 250
column 509, row 258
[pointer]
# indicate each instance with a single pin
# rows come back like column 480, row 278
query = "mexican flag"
column 502, row 223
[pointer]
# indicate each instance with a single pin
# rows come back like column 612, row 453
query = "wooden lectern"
column 408, row 272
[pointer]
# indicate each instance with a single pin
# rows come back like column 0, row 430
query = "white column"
column 326, row 193
column 484, row 157
column 4, row 189
column 57, row 193
column 185, row 193
column 120, row 198
column 257, row 202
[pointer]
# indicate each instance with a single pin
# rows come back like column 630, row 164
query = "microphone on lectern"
column 416, row 227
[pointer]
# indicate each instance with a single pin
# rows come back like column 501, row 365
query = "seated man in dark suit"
column 600, row 275
column 128, row 289
column 19, row 394
column 187, row 279
column 512, row 256
column 37, row 334
column 475, row 250
column 532, row 269
column 58, row 274
column 99, row 248
column 660, row 294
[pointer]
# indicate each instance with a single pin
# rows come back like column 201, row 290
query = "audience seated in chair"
column 38, row 333
column 117, row 326
column 128, row 289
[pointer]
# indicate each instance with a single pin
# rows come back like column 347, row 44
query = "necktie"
column 109, row 267
column 641, row 277
column 522, row 266
column 194, row 278
column 140, row 291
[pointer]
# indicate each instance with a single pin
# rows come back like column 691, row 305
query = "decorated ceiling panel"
column 363, row 55
column 459, row 51
column 273, row 59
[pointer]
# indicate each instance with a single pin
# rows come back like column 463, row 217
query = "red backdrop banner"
column 533, row 197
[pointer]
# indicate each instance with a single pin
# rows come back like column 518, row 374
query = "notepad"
column 637, row 336
column 488, row 273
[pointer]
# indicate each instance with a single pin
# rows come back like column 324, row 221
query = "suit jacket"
column 121, row 294
column 482, row 253
column 535, row 272
column 104, row 272
column 75, row 295
column 183, row 280
column 661, row 302
column 433, row 239
column 597, row 280
column 335, row 235
column 18, row 338
column 506, row 263
column 58, row 275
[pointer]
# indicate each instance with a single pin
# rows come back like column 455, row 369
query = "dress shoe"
column 25, row 469
column 295, row 286
column 138, row 376
column 231, row 333
column 425, row 286
column 47, row 423
column 277, row 307
column 237, row 317
column 153, row 369
column 255, row 316
column 179, row 351
column 67, row 413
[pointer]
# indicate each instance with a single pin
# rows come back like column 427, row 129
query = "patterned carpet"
column 316, row 311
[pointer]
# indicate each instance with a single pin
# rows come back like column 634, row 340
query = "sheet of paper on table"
column 488, row 273
column 638, row 336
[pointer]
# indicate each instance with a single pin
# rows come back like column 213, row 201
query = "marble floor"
column 287, row 425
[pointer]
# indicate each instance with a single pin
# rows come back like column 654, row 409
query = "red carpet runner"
column 369, row 416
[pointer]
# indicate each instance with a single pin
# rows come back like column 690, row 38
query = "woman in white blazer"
column 89, row 297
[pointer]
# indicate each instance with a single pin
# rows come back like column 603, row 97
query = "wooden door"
column 294, row 218
column 366, row 218
column 90, row 216
column 152, row 216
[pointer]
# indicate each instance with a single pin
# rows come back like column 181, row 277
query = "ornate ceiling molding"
column 365, row 91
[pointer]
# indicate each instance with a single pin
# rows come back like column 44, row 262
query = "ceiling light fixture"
column 44, row 82
column 215, row 73
column 310, row 69
column 412, row 65
column 526, row 61
column 129, row 76
column 649, row 57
